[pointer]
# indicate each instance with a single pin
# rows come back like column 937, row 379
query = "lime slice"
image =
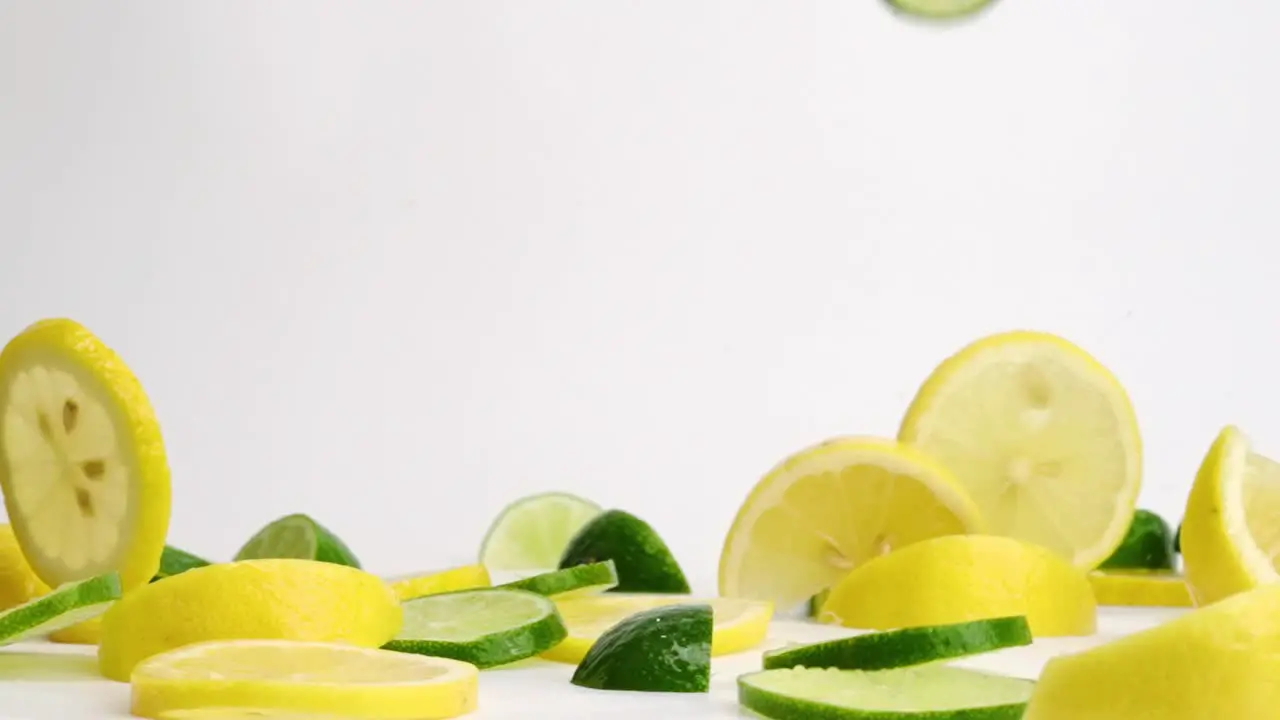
column 532, row 532
column 570, row 582
column 1148, row 545
column 1140, row 588
column 1041, row 436
column 82, row 463
column 738, row 624
column 939, row 9
column 486, row 628
column 665, row 649
column 174, row 561
column 931, row 692
column 318, row 679
column 67, row 605
column 467, row 577
column 643, row 562
column 297, row 536
column 905, row 647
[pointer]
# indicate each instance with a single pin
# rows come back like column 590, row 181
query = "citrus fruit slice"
column 486, row 628
column 280, row 599
column 940, row 9
column 1041, row 435
column 466, row 577
column 961, row 578
column 532, row 532
column 302, row 677
column 223, row 713
column 1147, row 545
column 663, row 649
column 1218, row 661
column 738, row 624
column 18, row 582
column 829, row 508
column 571, row 581
column 1231, row 529
column 933, row 692
column 297, row 536
column 643, row 562
column 905, row 647
column 174, row 561
column 1139, row 588
column 88, row 632
column 66, row 605
column 82, row 463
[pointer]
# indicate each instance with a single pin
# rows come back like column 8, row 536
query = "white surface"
column 538, row 689
column 395, row 264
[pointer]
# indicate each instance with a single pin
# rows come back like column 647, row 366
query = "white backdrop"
column 395, row 264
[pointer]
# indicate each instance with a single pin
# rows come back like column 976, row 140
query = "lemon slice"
column 1140, row 588
column 1042, row 437
column 738, row 624
column 466, row 577
column 302, row 677
column 831, row 507
column 1231, row 531
column 82, row 464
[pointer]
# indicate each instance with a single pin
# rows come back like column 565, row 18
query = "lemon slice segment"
column 832, row 507
column 82, row 463
column 1041, row 435
column 328, row 679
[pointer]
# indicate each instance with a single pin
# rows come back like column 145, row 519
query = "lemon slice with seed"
column 82, row 464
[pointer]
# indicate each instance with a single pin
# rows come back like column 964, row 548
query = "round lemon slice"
column 82, row 464
column 281, row 676
column 830, row 508
column 1231, row 531
column 1042, row 437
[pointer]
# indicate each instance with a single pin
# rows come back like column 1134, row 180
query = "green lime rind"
column 929, row 692
column 570, row 582
column 297, row 536
column 487, row 627
column 813, row 608
column 174, row 561
column 1177, row 539
column 664, row 649
column 905, row 647
column 1148, row 545
column 643, row 561
column 940, row 9
column 67, row 605
column 532, row 532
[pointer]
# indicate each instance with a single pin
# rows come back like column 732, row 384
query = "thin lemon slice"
column 1042, row 437
column 738, row 624
column 831, row 507
column 324, row 678
column 1140, row 588
column 1231, row 532
column 82, row 463
column 466, row 577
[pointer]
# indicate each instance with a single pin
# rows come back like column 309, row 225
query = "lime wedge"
column 1148, row 545
column 487, row 627
column 67, row 605
column 643, row 562
column 570, row 582
column 939, row 9
column 532, row 532
column 174, row 561
column 665, row 649
column 905, row 647
column 297, row 536
column 932, row 692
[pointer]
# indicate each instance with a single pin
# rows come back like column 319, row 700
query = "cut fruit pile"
column 1002, row 512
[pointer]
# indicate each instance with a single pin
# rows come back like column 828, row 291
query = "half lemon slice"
column 828, row 509
column 82, row 464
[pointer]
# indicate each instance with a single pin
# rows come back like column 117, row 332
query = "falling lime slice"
column 487, row 627
column 532, row 532
column 931, row 692
column 300, row 537
column 570, row 582
column 905, row 647
column 67, row 605
column 643, row 561
column 174, row 561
